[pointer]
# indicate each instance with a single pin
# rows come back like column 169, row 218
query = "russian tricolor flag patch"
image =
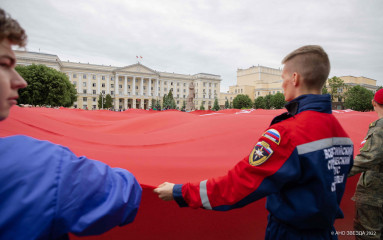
column 273, row 135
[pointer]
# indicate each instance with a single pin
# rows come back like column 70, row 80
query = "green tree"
column 259, row 103
column 202, row 107
column 336, row 88
column 227, row 104
column 168, row 101
column 216, row 105
column 158, row 104
column 231, row 105
column 108, row 101
column 267, row 100
column 359, row 98
column 101, row 101
column 46, row 86
column 242, row 101
column 277, row 101
column 324, row 90
column 183, row 106
column 153, row 106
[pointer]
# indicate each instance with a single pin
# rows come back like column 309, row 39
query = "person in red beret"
column 368, row 196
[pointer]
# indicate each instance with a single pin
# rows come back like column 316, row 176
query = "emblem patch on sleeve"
column 261, row 152
column 273, row 135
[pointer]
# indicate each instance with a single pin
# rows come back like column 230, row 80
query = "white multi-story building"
column 133, row 86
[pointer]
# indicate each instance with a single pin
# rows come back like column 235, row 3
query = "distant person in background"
column 46, row 191
column 369, row 190
column 292, row 164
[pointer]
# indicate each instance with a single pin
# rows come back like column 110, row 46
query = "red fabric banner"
column 176, row 147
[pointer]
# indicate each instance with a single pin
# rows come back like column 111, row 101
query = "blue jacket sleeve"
column 93, row 197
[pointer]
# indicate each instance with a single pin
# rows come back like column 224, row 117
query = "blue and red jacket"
column 300, row 163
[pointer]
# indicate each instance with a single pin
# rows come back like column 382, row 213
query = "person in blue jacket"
column 46, row 191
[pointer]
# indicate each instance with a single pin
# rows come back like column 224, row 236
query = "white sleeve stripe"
column 322, row 144
column 203, row 194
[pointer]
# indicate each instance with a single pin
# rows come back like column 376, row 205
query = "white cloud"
column 205, row 36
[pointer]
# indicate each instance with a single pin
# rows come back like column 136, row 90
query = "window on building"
column 178, row 84
column 166, row 89
column 209, row 84
column 94, row 91
column 112, row 92
column 93, row 84
column 75, row 83
column 204, row 96
column 204, row 84
column 144, row 87
column 128, row 86
column 185, row 90
column 178, row 96
column 136, row 87
column 215, row 85
column 84, row 99
column 84, row 91
column 85, row 107
column 184, row 96
column 74, row 75
column 94, row 107
column 112, row 85
column 120, row 86
column 103, row 91
column 171, row 83
column 94, row 99
column 94, row 77
column 103, row 85
column 178, row 102
column 84, row 76
column 273, row 92
column 112, row 78
column 103, row 77
column 178, row 90
column 184, row 84
column 165, row 82
column 84, row 84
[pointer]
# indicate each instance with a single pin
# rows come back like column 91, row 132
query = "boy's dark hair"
column 312, row 63
column 11, row 30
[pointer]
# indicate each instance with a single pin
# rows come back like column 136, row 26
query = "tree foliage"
column 46, row 86
column 336, row 88
column 101, row 102
column 242, row 101
column 202, row 107
column 268, row 101
column 277, row 101
column 216, row 105
column 259, row 103
column 227, row 104
column 183, row 105
column 168, row 101
column 359, row 98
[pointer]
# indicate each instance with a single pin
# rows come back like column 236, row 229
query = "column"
column 98, row 84
column 162, row 88
column 134, row 87
column 89, row 91
column 79, row 83
column 107, row 84
column 125, row 103
column 142, row 87
column 125, row 86
column 156, row 90
column 134, row 103
column 116, row 103
column 149, row 87
column 116, row 85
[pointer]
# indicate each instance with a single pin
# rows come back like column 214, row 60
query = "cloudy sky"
column 205, row 36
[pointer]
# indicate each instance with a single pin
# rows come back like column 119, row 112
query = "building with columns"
column 133, row 86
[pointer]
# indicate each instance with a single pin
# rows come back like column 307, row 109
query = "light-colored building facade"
column 133, row 86
column 254, row 81
column 351, row 81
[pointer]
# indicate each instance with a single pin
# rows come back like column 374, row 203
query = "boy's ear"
column 296, row 79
